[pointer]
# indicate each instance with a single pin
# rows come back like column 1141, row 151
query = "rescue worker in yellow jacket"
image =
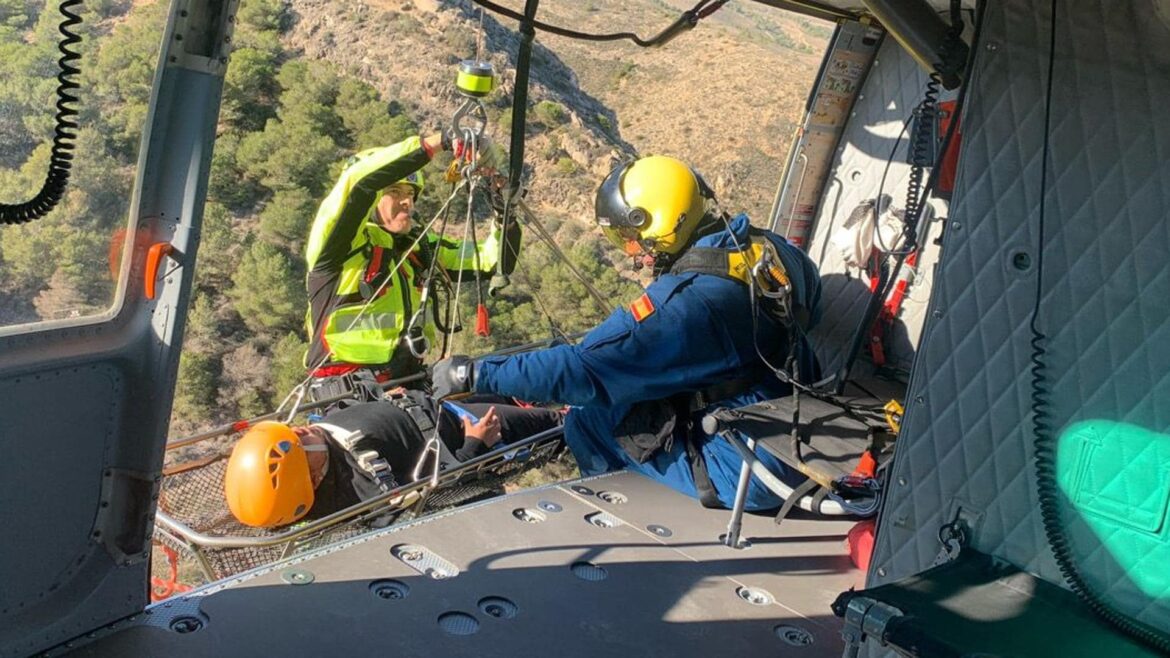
column 367, row 264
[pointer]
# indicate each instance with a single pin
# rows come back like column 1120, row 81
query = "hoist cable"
column 687, row 20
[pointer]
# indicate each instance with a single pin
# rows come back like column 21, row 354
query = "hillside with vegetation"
column 311, row 81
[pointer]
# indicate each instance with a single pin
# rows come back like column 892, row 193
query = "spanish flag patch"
column 642, row 307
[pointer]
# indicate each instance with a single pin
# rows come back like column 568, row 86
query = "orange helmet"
column 267, row 483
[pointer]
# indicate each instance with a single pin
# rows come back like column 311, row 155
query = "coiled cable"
column 920, row 150
column 1044, row 442
column 65, row 132
column 921, row 147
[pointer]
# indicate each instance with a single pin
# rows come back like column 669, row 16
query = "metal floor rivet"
column 528, row 515
column 390, row 589
column 458, row 623
column 794, row 635
column 613, row 497
column 498, row 607
column 588, row 571
column 755, row 595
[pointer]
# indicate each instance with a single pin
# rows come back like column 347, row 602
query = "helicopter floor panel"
column 613, row 565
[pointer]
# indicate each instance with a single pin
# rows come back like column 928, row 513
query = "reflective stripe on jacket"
column 350, row 256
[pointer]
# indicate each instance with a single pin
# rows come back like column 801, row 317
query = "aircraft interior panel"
column 967, row 449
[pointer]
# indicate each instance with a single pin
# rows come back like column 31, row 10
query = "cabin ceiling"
column 833, row 9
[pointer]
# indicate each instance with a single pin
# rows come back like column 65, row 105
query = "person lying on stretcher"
column 279, row 474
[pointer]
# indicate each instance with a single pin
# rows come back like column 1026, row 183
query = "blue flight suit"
column 699, row 334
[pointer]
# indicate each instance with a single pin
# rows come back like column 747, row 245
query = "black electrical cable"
column 910, row 234
column 1044, row 442
column 61, row 160
column 686, row 21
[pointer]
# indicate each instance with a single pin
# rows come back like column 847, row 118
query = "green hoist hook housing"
column 476, row 78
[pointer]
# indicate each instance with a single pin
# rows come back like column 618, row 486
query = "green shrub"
column 550, row 114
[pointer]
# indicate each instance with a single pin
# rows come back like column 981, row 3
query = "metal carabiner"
column 431, row 449
column 297, row 395
column 471, row 108
column 782, row 296
column 415, row 337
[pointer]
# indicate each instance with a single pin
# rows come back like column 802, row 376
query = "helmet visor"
column 629, row 240
column 611, row 207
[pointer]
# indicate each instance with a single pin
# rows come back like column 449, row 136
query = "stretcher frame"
column 209, row 544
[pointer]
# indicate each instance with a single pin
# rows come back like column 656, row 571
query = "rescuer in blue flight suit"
column 729, row 304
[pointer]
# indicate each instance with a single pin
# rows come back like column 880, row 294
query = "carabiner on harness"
column 414, row 336
column 772, row 282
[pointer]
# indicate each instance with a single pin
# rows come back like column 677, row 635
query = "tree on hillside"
column 366, row 117
column 249, row 89
column 267, row 290
column 288, row 155
column 286, row 217
column 118, row 80
column 246, row 383
column 227, row 183
column 218, row 248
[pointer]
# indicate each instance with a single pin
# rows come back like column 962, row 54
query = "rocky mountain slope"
column 726, row 95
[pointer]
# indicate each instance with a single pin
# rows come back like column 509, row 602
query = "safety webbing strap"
column 797, row 493
column 369, row 461
column 426, row 418
column 705, row 489
column 707, row 260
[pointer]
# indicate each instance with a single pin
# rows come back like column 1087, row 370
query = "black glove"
column 453, row 377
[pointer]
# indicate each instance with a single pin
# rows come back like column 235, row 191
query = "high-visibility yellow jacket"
column 350, row 256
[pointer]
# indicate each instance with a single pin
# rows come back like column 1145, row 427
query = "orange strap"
column 866, row 466
column 161, row 588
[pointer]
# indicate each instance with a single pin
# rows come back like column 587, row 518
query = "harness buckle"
column 377, row 467
column 414, row 337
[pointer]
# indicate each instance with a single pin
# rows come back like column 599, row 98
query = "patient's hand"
column 486, row 430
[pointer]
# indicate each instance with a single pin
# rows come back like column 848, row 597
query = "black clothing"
column 392, row 433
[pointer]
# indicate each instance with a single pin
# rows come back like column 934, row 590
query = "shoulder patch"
column 642, row 307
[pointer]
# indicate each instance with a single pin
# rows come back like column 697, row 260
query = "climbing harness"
column 369, row 461
column 756, row 265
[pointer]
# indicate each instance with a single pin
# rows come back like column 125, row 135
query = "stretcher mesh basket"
column 192, row 496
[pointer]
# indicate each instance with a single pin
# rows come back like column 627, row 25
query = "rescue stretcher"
column 193, row 521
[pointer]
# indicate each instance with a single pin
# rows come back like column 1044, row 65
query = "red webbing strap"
column 164, row 588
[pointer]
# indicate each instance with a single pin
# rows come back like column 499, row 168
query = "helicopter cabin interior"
column 986, row 189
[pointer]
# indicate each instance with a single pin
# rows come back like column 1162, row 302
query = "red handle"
column 153, row 258
column 481, row 322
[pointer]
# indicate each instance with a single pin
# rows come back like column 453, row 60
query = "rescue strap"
column 704, row 487
column 361, row 381
column 642, row 433
column 425, row 416
column 699, row 401
column 369, row 461
column 760, row 260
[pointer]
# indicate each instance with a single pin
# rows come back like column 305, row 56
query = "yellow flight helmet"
column 651, row 204
column 267, row 483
